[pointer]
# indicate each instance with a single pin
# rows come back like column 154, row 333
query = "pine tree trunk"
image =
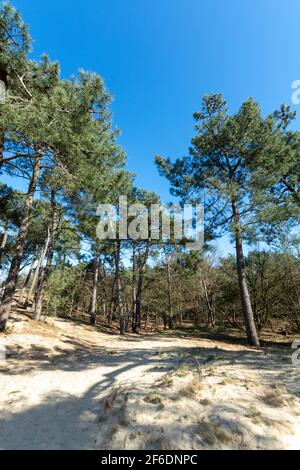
column 138, row 313
column 42, row 284
column 93, row 310
column 170, row 314
column 37, row 270
column 119, row 297
column 1, row 146
column 246, row 303
column 4, row 241
column 27, row 280
column 3, row 79
column 210, row 315
column 138, row 290
column 133, row 289
column 11, row 283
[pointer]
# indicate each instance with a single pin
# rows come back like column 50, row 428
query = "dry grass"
column 192, row 387
column 109, row 402
column 166, row 381
column 182, row 371
column 212, row 435
column 153, row 398
column 254, row 414
column 205, row 402
column 165, row 444
column 273, row 399
column 108, row 405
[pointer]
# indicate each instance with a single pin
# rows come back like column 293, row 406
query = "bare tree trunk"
column 246, row 303
column 3, row 80
column 27, row 280
column 139, row 289
column 4, row 241
column 171, row 314
column 210, row 315
column 11, row 283
column 93, row 310
column 120, row 305
column 42, row 284
column 138, row 313
column 37, row 270
column 133, row 288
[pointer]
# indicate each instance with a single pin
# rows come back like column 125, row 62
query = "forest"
column 60, row 158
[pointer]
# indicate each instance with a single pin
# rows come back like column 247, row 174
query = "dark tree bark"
column 118, row 284
column 241, row 269
column 11, row 283
column 93, row 309
column 1, row 146
column 27, row 280
column 42, row 283
column 170, row 313
column 37, row 270
column 4, row 241
column 3, row 80
column 138, row 289
column 210, row 312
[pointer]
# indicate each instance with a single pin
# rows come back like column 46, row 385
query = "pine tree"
column 218, row 170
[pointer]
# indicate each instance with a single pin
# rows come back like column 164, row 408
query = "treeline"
column 57, row 137
column 188, row 288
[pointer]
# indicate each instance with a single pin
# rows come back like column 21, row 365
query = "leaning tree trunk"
column 42, row 284
column 11, row 283
column 37, row 270
column 27, row 280
column 4, row 241
column 93, row 310
column 210, row 313
column 241, row 269
column 3, row 86
column 119, row 296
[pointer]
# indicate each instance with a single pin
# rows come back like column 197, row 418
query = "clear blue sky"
column 159, row 57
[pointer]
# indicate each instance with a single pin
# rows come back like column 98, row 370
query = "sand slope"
column 67, row 386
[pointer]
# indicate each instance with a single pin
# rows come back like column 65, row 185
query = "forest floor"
column 65, row 385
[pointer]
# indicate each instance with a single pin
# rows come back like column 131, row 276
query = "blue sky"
column 159, row 57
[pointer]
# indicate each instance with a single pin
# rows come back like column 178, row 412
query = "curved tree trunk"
column 27, row 280
column 210, row 312
column 3, row 86
column 37, row 270
column 4, row 241
column 42, row 284
column 246, row 303
column 11, row 283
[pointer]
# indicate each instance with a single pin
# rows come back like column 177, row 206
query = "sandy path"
column 57, row 383
column 52, row 387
